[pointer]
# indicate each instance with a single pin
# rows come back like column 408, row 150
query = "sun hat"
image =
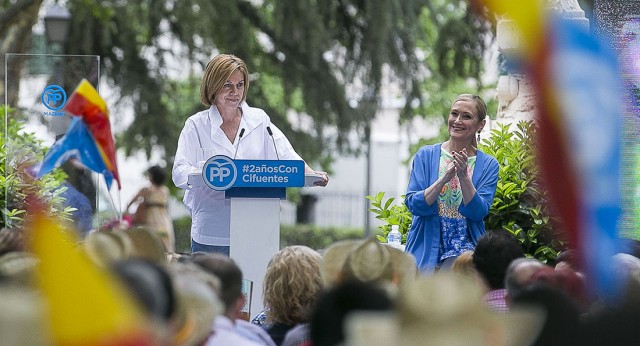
column 447, row 309
column 369, row 261
column 146, row 244
column 107, row 247
column 366, row 260
column 17, row 267
column 197, row 303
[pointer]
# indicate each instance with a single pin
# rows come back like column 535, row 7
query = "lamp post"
column 56, row 24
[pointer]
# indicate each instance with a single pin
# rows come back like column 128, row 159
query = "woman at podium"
column 451, row 189
column 228, row 127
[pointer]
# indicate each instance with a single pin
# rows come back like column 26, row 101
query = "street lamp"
column 56, row 27
column 56, row 24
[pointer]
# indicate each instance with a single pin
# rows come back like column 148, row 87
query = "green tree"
column 327, row 61
column 323, row 60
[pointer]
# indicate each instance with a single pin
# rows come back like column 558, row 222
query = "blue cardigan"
column 423, row 240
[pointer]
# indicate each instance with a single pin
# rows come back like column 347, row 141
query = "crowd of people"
column 355, row 292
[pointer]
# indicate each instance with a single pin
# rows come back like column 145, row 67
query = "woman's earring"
column 478, row 136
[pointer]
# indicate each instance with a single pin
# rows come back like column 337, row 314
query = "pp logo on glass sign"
column 219, row 172
column 54, row 98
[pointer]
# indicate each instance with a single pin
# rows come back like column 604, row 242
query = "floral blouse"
column 454, row 238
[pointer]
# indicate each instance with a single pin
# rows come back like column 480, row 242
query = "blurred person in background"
column 227, row 328
column 152, row 207
column 495, row 251
column 327, row 327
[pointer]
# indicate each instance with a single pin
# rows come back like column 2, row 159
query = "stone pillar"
column 516, row 98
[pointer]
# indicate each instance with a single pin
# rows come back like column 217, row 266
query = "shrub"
column 20, row 152
column 520, row 203
column 309, row 235
column 182, row 233
column 316, row 237
column 392, row 214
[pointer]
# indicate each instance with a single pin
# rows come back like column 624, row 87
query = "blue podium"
column 254, row 188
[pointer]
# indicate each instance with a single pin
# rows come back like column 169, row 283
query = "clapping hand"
column 450, row 172
column 460, row 162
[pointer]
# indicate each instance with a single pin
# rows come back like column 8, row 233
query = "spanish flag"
column 85, row 102
column 85, row 304
column 579, row 98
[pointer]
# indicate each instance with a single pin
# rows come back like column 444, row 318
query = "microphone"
column 238, row 145
column 274, row 142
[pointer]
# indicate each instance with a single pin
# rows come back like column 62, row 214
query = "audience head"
column 566, row 281
column 370, row 261
column 519, row 274
column 144, row 243
column 106, row 248
column 230, row 276
column 562, row 314
column 464, row 264
column 150, row 285
column 292, row 283
column 157, row 175
column 366, row 261
column 627, row 269
column 493, row 254
column 23, row 317
column 568, row 259
column 11, row 239
column 334, row 305
column 197, row 303
column 447, row 309
column 18, row 268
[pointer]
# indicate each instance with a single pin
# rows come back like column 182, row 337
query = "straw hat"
column 447, row 309
column 146, row 244
column 197, row 303
column 366, row 260
column 18, row 266
column 105, row 248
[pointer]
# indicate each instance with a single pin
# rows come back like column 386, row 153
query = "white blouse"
column 210, row 211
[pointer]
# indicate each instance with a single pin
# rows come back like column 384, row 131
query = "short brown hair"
column 217, row 72
column 481, row 106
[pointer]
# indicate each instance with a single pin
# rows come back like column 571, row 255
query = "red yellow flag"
column 86, row 305
column 85, row 102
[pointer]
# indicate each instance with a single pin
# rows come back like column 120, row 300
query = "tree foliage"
column 326, row 61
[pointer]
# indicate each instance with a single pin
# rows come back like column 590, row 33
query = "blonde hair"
column 216, row 74
column 464, row 264
column 292, row 284
column 481, row 106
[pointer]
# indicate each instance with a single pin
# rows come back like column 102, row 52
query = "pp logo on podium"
column 219, row 172
column 54, row 97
